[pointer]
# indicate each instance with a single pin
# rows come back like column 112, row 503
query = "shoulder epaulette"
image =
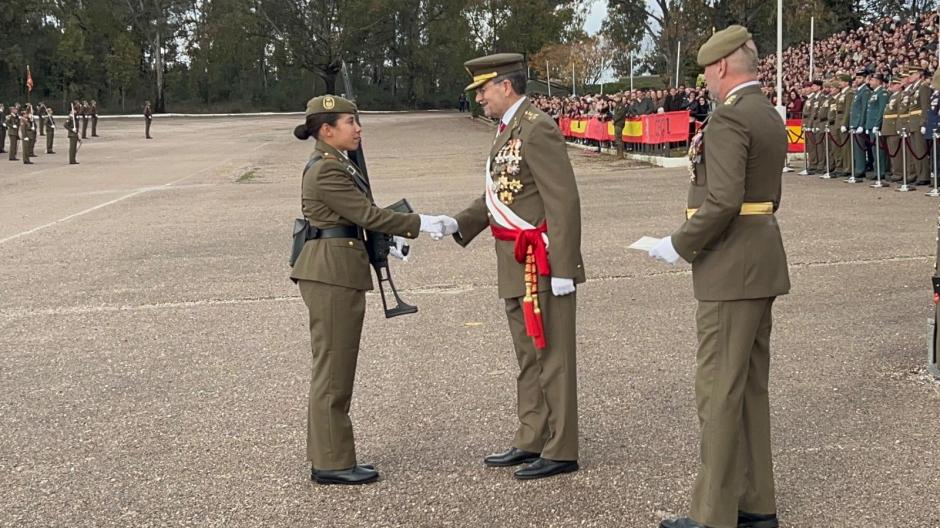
column 530, row 115
column 731, row 99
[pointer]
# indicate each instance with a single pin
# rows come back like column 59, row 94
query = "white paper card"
column 645, row 243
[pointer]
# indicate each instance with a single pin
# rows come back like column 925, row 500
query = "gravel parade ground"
column 154, row 355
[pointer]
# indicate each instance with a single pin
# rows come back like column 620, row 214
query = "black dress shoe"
column 681, row 522
column 544, row 467
column 511, row 457
column 352, row 476
column 757, row 520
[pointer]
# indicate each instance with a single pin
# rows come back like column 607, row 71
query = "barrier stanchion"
column 904, row 186
column 826, row 175
column 934, row 192
column 851, row 178
column 878, row 184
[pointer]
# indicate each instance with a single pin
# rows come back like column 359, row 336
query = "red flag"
column 29, row 79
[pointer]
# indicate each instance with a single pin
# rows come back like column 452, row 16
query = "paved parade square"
column 154, row 355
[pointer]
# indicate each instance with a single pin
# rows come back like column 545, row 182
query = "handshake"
column 438, row 226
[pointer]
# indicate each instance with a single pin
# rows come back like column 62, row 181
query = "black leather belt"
column 335, row 232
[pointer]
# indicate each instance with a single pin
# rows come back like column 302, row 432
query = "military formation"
column 22, row 125
column 872, row 127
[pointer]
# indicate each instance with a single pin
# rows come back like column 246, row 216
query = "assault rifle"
column 378, row 244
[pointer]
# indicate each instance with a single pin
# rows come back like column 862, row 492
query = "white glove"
column 875, row 131
column 843, row 129
column 431, row 224
column 923, row 131
column 449, row 227
column 664, row 251
column 399, row 248
column 562, row 286
column 859, row 130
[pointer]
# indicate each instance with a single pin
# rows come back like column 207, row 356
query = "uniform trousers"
column 336, row 316
column 546, row 387
column 731, row 379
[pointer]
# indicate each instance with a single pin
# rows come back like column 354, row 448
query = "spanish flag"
column 29, row 79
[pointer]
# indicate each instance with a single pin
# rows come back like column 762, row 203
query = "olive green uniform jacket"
column 737, row 256
column 544, row 190
column 331, row 198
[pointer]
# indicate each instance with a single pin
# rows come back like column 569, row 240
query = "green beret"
column 330, row 104
column 844, row 77
column 483, row 69
column 722, row 44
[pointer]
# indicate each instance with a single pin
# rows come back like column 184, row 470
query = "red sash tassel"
column 530, row 250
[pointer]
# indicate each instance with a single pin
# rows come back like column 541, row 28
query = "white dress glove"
column 859, row 130
column 923, row 131
column 448, row 227
column 843, row 129
column 665, row 251
column 562, row 286
column 431, row 224
column 399, row 248
column 875, row 131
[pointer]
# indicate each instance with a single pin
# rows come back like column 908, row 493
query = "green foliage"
column 246, row 55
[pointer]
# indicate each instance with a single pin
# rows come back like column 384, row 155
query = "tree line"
column 248, row 55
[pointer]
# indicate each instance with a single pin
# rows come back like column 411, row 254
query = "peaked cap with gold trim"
column 482, row 69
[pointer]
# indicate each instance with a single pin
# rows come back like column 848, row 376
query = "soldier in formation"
column 49, row 121
column 72, row 127
column 148, row 117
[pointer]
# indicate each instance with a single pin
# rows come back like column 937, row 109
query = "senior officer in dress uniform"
column 530, row 202
column 739, row 267
column 333, row 273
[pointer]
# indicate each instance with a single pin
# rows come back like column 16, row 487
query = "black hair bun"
column 301, row 132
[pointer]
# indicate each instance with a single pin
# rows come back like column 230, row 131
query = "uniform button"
column 578, row 266
column 408, row 233
column 351, row 243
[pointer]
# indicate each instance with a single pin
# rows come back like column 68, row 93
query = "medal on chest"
column 506, row 166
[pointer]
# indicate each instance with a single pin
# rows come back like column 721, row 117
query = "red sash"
column 530, row 249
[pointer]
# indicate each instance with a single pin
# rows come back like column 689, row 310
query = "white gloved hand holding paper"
column 562, row 286
column 665, row 251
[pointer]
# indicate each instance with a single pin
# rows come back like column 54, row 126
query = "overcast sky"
column 596, row 14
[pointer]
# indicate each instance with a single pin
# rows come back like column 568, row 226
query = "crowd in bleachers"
column 885, row 46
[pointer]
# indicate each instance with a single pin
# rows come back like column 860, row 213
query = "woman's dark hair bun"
column 301, row 132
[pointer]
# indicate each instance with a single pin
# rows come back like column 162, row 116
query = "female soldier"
column 333, row 274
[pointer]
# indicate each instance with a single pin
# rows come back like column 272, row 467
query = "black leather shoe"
column 511, row 457
column 757, row 520
column 352, row 476
column 544, row 467
column 681, row 522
